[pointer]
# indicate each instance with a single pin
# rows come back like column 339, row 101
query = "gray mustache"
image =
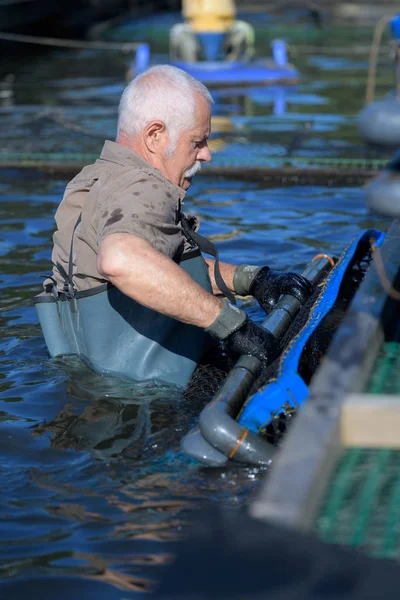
column 193, row 170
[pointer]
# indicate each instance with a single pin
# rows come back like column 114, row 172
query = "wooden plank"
column 299, row 475
column 370, row 421
column 297, row 480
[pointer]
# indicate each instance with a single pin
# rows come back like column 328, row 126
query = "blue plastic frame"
column 239, row 73
column 289, row 389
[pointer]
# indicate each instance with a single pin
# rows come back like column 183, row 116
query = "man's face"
column 192, row 148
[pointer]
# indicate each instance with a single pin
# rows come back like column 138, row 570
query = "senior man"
column 133, row 292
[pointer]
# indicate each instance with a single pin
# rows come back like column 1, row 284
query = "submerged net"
column 212, row 372
column 209, row 375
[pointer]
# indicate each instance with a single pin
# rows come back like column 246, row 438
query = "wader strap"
column 209, row 248
column 64, row 275
column 71, row 262
column 69, row 289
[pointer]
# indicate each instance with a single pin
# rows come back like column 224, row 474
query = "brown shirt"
column 119, row 193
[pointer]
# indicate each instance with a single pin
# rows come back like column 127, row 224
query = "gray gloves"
column 242, row 336
column 267, row 285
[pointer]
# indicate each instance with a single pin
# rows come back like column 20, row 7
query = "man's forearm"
column 227, row 272
column 155, row 281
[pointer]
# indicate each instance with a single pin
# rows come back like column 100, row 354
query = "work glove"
column 267, row 285
column 240, row 335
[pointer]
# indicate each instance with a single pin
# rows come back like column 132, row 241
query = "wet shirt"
column 119, row 193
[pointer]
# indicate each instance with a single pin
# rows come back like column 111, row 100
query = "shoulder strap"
column 209, row 248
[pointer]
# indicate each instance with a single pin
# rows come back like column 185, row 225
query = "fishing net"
column 210, row 375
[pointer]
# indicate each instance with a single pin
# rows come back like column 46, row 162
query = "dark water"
column 94, row 490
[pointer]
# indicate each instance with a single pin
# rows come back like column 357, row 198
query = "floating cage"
column 257, row 417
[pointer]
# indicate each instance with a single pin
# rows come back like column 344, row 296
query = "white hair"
column 162, row 93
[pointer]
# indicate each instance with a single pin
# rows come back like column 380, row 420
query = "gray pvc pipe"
column 217, row 422
column 194, row 444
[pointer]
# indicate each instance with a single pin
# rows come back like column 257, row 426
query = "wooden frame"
column 370, row 421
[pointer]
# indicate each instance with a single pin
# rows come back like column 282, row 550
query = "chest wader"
column 113, row 333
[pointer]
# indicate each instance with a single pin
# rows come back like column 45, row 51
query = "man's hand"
column 252, row 339
column 242, row 336
column 267, row 285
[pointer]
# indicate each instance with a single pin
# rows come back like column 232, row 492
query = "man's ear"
column 154, row 136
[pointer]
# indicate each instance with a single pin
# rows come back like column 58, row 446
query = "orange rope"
column 373, row 57
column 324, row 256
column 383, row 278
column 238, row 443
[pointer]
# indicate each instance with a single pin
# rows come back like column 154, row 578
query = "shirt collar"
column 121, row 155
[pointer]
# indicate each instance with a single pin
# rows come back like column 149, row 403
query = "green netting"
column 362, row 507
column 47, row 157
column 304, row 161
column 219, row 160
column 385, row 378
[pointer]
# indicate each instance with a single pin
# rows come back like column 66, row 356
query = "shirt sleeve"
column 141, row 205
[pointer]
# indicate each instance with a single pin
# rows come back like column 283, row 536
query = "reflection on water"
column 94, row 489
column 110, row 415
